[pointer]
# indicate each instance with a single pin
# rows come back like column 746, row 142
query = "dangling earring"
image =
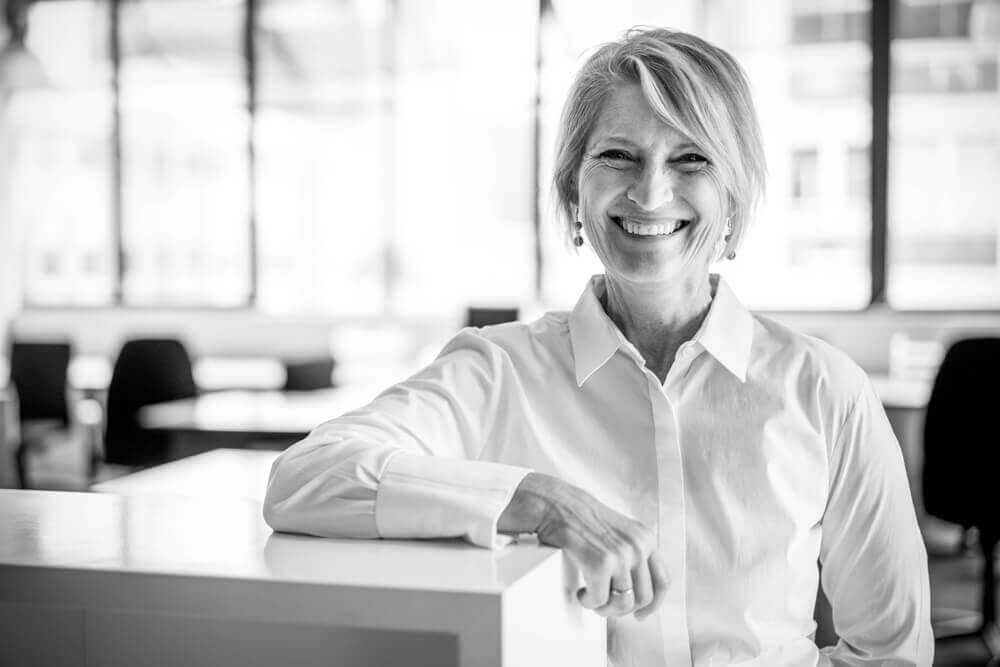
column 731, row 255
column 720, row 245
column 577, row 235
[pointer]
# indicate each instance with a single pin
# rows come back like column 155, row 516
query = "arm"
column 873, row 556
column 404, row 466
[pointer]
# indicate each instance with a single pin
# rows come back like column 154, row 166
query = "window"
column 805, row 182
column 944, row 213
column 185, row 174
column 324, row 161
column 394, row 156
column 56, row 126
column 377, row 157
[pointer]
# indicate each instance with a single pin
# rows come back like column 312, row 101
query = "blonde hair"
column 693, row 86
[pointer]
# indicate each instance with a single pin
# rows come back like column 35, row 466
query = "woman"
column 694, row 460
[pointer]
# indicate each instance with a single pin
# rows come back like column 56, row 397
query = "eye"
column 616, row 156
column 691, row 162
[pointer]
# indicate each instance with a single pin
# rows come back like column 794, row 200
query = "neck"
column 657, row 319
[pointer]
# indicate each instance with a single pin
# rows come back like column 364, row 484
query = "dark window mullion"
column 117, row 196
column 881, row 39
column 250, row 72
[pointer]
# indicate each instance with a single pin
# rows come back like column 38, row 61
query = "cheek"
column 597, row 181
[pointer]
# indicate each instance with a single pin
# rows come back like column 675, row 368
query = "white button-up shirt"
column 763, row 452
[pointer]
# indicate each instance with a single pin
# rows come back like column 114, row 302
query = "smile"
column 649, row 229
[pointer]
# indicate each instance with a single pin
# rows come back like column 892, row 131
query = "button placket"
column 672, row 532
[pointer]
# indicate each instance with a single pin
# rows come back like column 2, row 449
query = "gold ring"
column 615, row 591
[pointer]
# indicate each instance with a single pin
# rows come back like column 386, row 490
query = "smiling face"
column 648, row 197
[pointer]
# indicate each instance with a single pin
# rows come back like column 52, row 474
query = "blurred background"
column 254, row 174
column 275, row 180
column 313, row 194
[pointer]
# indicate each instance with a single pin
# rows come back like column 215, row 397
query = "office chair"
column 38, row 372
column 962, row 461
column 309, row 375
column 147, row 371
column 481, row 317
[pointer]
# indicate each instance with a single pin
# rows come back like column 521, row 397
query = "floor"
column 954, row 572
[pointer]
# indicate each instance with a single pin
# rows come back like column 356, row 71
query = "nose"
column 652, row 189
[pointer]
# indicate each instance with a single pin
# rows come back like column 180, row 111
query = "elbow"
column 276, row 508
column 272, row 505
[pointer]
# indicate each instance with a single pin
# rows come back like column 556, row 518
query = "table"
column 220, row 473
column 901, row 393
column 103, row 579
column 291, row 413
column 239, row 418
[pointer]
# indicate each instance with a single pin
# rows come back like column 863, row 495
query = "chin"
column 640, row 270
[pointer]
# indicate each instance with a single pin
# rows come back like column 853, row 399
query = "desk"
column 273, row 419
column 257, row 413
column 100, row 579
column 901, row 393
column 220, row 473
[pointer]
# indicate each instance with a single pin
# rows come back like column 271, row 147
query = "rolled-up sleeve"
column 405, row 465
column 873, row 556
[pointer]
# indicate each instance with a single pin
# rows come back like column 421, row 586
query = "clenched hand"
column 615, row 554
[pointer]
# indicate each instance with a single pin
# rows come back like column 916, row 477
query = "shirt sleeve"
column 873, row 556
column 405, row 465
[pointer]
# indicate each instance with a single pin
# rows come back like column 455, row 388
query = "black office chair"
column 309, row 375
column 962, row 462
column 147, row 371
column 38, row 372
column 481, row 317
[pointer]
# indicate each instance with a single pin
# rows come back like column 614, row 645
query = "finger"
column 660, row 581
column 590, row 596
column 642, row 581
column 597, row 588
column 621, row 597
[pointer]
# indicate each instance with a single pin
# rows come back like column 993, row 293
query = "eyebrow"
column 615, row 138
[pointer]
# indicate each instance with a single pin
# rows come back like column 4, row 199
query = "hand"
column 612, row 551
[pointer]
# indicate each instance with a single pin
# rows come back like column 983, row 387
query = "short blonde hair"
column 693, row 86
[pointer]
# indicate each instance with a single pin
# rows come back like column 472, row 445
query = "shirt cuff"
column 422, row 496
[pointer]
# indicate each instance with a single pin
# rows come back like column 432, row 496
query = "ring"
column 615, row 591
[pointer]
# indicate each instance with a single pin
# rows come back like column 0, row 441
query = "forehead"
column 626, row 114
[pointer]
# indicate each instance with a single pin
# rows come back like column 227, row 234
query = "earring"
column 731, row 255
column 720, row 245
column 577, row 235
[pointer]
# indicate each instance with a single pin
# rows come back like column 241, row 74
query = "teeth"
column 650, row 230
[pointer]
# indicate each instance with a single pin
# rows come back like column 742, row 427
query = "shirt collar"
column 726, row 333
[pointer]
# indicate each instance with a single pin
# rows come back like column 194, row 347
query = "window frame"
column 881, row 18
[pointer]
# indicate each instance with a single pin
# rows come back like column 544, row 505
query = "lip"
column 616, row 221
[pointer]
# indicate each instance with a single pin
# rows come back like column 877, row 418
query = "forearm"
column 336, row 486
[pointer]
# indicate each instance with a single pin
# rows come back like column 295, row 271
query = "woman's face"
column 645, row 191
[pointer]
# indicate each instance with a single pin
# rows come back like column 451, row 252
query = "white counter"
column 101, row 579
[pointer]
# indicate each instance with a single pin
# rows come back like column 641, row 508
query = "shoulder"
column 520, row 338
column 514, row 342
column 814, row 365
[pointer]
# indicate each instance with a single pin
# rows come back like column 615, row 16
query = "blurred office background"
column 280, row 180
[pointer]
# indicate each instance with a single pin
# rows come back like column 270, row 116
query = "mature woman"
column 694, row 460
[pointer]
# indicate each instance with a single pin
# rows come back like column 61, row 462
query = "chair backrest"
column 481, row 317
column 39, row 372
column 961, row 441
column 147, row 371
column 309, row 375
